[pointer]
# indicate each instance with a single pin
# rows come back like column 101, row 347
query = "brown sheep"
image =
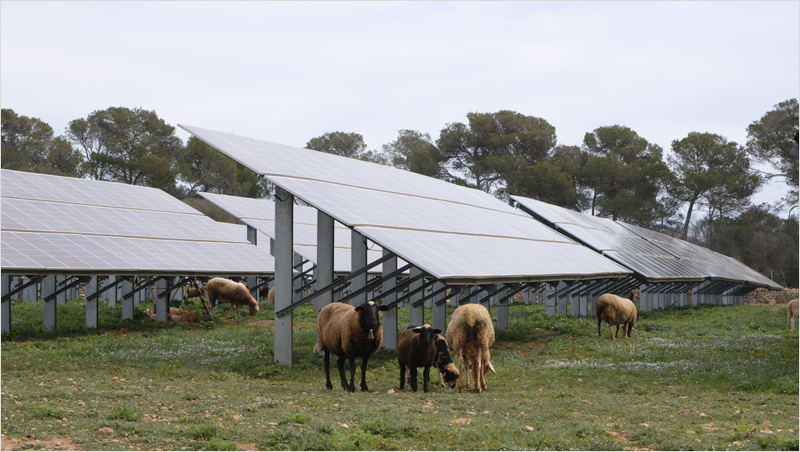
column 227, row 291
column 471, row 333
column 416, row 348
column 271, row 296
column 192, row 292
column 448, row 374
column 349, row 333
column 792, row 312
column 615, row 311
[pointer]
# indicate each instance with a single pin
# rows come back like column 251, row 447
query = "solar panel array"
column 453, row 233
column 260, row 214
column 655, row 256
column 53, row 224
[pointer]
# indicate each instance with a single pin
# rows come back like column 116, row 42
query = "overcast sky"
column 287, row 72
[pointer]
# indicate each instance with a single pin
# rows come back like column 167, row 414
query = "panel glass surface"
column 451, row 232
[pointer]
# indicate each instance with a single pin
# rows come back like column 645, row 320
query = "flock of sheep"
column 356, row 332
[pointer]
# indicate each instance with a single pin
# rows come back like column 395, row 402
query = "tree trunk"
column 688, row 218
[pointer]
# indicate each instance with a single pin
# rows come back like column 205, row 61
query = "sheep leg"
column 352, row 386
column 478, row 373
column 466, row 371
column 426, row 379
column 402, row 376
column 342, row 376
column 238, row 314
column 611, row 331
column 327, row 360
column 229, row 311
column 413, row 371
column 460, row 370
column 598, row 328
column 364, row 387
column 623, row 331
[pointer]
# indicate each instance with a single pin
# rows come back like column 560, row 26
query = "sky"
column 288, row 72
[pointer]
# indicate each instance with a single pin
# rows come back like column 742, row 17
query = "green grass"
column 726, row 376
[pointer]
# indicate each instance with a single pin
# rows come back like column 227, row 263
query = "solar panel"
column 479, row 238
column 260, row 214
column 69, row 225
column 651, row 254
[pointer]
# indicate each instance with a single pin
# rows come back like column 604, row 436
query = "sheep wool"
column 349, row 333
column 271, row 296
column 615, row 311
column 792, row 312
column 227, row 291
column 471, row 333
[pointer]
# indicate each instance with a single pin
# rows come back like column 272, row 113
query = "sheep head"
column 254, row 308
column 451, row 375
column 370, row 316
column 426, row 334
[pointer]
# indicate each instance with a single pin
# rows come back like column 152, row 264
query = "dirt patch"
column 527, row 348
column 261, row 322
column 175, row 315
column 246, row 446
column 543, row 334
column 50, row 444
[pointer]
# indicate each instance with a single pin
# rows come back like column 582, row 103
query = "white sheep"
column 227, row 291
column 349, row 333
column 792, row 312
column 615, row 311
column 471, row 333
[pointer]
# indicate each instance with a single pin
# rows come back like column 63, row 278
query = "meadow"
column 694, row 378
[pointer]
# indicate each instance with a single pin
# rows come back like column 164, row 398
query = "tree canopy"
column 29, row 144
column 770, row 139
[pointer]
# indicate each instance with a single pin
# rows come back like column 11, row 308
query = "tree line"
column 613, row 173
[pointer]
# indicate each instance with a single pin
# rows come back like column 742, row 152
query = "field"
column 691, row 378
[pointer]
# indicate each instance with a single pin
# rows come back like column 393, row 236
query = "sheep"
column 416, row 348
column 192, row 292
column 615, row 311
column 471, row 333
column 271, row 296
column 264, row 291
column 444, row 364
column 227, row 291
column 792, row 312
column 349, row 333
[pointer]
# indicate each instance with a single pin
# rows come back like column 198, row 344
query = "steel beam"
column 284, row 240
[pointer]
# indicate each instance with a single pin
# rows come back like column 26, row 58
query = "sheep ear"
column 359, row 308
column 384, row 308
column 417, row 330
column 437, row 331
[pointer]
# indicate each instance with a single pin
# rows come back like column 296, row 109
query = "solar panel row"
column 451, row 232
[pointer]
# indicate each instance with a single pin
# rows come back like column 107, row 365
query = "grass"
column 724, row 376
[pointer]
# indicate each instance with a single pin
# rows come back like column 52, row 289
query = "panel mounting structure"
column 260, row 214
column 61, row 225
column 456, row 234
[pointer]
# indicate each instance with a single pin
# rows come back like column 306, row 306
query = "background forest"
column 699, row 190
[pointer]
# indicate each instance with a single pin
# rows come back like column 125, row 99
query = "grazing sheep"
column 227, row 291
column 792, row 310
column 615, row 311
column 471, row 333
column 416, row 348
column 192, row 292
column 264, row 291
column 444, row 364
column 349, row 333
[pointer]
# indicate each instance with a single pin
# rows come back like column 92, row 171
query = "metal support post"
column 390, row 316
column 284, row 239
column 358, row 259
column 574, row 304
column 127, row 303
column 5, row 312
column 416, row 313
column 549, row 303
column 91, row 302
column 60, row 281
column 502, row 311
column 252, row 282
column 561, row 302
column 49, row 287
column 297, row 283
column 29, row 293
column 161, row 303
column 440, row 310
column 111, row 294
column 584, row 302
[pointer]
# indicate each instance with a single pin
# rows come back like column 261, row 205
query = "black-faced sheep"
column 615, row 311
column 792, row 312
column 448, row 374
column 416, row 348
column 471, row 333
column 349, row 333
column 227, row 291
